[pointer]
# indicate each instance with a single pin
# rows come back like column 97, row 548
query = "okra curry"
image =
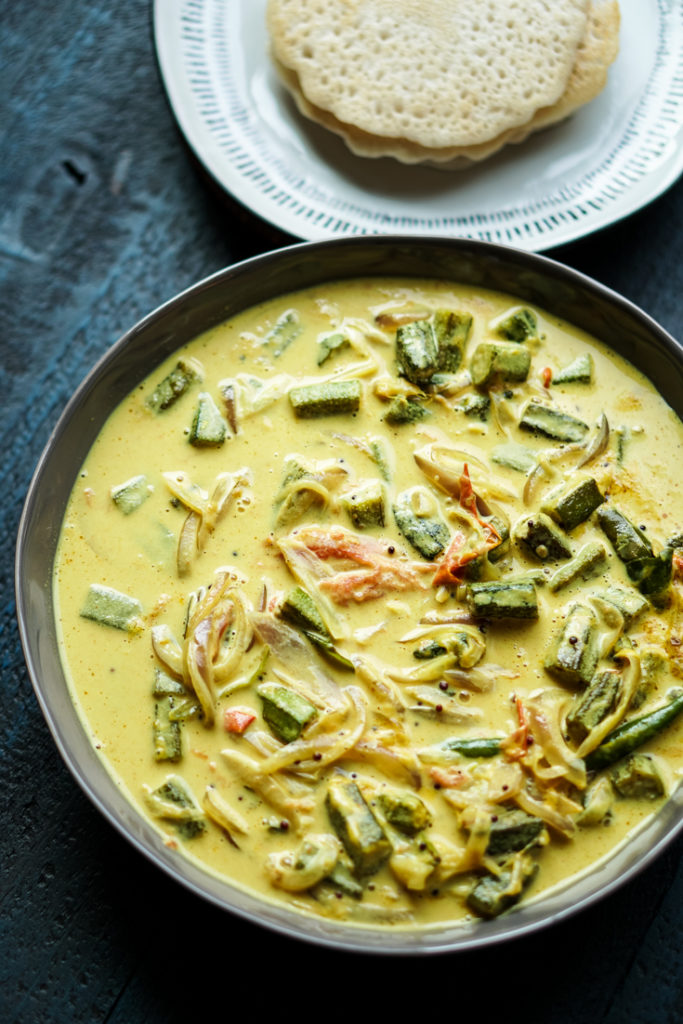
column 370, row 598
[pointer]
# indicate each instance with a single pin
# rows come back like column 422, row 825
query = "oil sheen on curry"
column 370, row 599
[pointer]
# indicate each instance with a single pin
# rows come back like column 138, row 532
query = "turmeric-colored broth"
column 374, row 722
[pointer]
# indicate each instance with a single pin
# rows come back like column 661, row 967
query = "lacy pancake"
column 490, row 80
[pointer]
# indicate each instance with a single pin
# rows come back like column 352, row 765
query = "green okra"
column 514, row 456
column 329, row 398
column 188, row 819
column 365, row 505
column 517, row 325
column 286, row 329
column 575, row 656
column 475, row 406
column 166, row 731
column 341, row 879
column 584, row 563
column 208, row 429
column 404, row 410
column 331, row 344
column 405, row 811
column 285, row 711
column 501, row 548
column 130, row 495
column 630, row 735
column 361, row 835
column 513, row 831
column 513, row 599
column 427, row 534
column 542, row 538
column 626, row 600
column 451, row 331
column 573, row 503
column 628, row 541
column 638, row 777
column 110, row 607
column 551, row 422
column 652, row 574
column 596, row 703
column 176, row 383
column 300, row 610
column 502, row 360
column 417, row 352
column 491, row 896
column 579, row 371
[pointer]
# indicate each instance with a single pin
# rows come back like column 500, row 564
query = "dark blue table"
column 104, row 215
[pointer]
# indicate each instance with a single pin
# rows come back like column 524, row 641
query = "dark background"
column 103, row 216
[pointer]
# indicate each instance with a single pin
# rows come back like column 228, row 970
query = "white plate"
column 614, row 156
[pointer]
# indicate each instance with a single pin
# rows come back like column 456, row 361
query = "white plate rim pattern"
column 214, row 64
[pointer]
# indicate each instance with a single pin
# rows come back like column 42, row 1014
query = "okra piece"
column 285, row 711
column 417, row 352
column 630, row 735
column 517, row 325
column 427, row 534
column 330, row 344
column 638, row 777
column 596, row 703
column 513, row 831
column 502, row 360
column 627, row 540
column 652, row 574
column 166, row 686
column 451, row 330
column 502, row 547
column 491, row 896
column 340, row 878
column 330, row 398
column 301, row 611
column 110, row 607
column 413, row 862
column 584, row 563
column 513, row 599
column 514, row 456
column 572, row 504
column 427, row 649
column 381, row 458
column 167, row 738
column 186, row 814
column 326, row 646
column 475, row 406
column 652, row 663
column 575, row 656
column 365, row 506
column 174, row 384
column 405, row 811
column 404, row 410
column 208, row 428
column 627, row 601
column 473, row 746
column 580, row 371
column 359, row 831
column 542, row 538
column 286, row 329
column 130, row 495
column 550, row 422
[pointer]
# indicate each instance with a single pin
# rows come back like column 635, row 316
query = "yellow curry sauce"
column 362, row 647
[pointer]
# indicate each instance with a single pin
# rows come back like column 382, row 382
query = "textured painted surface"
column 103, row 215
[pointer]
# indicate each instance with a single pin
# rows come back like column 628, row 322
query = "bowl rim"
column 536, row 914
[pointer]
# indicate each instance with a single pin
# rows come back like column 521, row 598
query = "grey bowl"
column 531, row 278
